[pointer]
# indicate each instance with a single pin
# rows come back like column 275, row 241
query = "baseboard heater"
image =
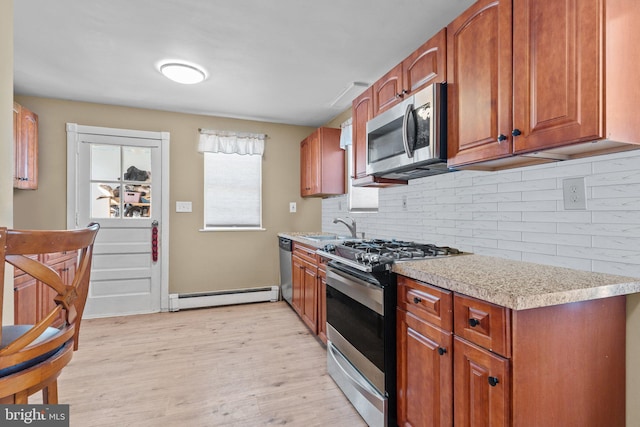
column 212, row 299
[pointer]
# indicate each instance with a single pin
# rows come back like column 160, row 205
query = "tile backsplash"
column 517, row 214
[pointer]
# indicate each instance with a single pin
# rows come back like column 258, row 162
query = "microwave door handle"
column 405, row 125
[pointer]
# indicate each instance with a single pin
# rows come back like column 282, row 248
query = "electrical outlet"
column 183, row 206
column 404, row 203
column 292, row 207
column 574, row 194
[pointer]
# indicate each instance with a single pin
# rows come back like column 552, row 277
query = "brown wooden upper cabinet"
column 554, row 97
column 322, row 164
column 25, row 141
column 424, row 66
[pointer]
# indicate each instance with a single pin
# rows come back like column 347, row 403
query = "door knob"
column 474, row 322
column 516, row 132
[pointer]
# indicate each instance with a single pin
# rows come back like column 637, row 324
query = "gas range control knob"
column 374, row 259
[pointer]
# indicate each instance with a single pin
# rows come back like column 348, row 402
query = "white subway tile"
column 563, row 216
column 622, row 269
column 557, row 171
column 531, row 185
column 616, row 217
column 497, row 177
column 524, row 247
column 558, row 261
column 614, row 191
column 557, row 239
column 497, row 216
column 528, row 226
column 536, row 205
column 497, row 197
column 498, row 234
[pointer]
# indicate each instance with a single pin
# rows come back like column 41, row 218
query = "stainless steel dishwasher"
column 285, row 269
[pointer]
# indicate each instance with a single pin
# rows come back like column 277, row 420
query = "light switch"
column 292, row 207
column 183, row 206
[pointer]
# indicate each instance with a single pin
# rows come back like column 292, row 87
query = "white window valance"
column 345, row 134
column 214, row 141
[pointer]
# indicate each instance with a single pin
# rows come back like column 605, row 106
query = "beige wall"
column 6, row 139
column 199, row 261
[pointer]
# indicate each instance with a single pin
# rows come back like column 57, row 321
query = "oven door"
column 355, row 347
column 355, row 323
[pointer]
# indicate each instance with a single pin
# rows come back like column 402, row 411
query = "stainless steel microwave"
column 409, row 140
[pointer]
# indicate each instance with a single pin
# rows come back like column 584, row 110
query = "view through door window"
column 120, row 181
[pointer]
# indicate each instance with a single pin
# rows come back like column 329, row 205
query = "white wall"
column 6, row 140
column 519, row 214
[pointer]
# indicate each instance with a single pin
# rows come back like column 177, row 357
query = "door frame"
column 73, row 129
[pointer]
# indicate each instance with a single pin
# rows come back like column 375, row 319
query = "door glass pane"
column 136, row 163
column 105, row 162
column 105, row 200
column 111, row 167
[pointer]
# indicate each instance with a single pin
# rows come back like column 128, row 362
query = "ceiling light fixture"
column 182, row 73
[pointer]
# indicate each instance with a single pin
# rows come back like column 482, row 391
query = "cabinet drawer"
column 429, row 303
column 57, row 257
column 306, row 253
column 482, row 323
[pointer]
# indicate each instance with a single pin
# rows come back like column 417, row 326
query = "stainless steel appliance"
column 361, row 321
column 409, row 140
column 285, row 269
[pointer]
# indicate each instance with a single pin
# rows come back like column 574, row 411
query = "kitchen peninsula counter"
column 515, row 284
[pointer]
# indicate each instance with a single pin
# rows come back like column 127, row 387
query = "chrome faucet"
column 352, row 227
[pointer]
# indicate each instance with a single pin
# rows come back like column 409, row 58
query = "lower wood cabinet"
column 32, row 299
column 467, row 362
column 309, row 288
column 425, row 375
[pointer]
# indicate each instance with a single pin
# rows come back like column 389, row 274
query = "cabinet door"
column 428, row 64
column 481, row 385
column 479, row 83
column 362, row 112
column 25, row 138
column 25, row 300
column 310, row 297
column 387, row 91
column 297, row 277
column 424, row 373
column 557, row 63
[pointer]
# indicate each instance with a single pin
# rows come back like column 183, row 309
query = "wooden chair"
column 32, row 356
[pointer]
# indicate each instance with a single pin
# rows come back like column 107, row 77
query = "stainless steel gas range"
column 361, row 321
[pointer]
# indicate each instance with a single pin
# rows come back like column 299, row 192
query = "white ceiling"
column 282, row 61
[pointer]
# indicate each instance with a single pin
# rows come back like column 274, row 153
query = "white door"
column 115, row 178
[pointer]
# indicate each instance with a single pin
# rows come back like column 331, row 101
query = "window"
column 361, row 199
column 232, row 180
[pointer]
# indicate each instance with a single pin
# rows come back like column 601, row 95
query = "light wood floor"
column 246, row 365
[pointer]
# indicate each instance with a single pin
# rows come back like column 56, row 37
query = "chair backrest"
column 20, row 249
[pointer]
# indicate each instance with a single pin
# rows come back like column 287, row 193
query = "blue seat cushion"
column 13, row 332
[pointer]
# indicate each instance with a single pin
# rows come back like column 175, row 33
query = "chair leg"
column 21, row 398
column 50, row 394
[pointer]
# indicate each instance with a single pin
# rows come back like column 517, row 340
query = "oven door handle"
column 365, row 293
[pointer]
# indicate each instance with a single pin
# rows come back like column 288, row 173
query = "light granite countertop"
column 515, row 284
column 300, row 237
